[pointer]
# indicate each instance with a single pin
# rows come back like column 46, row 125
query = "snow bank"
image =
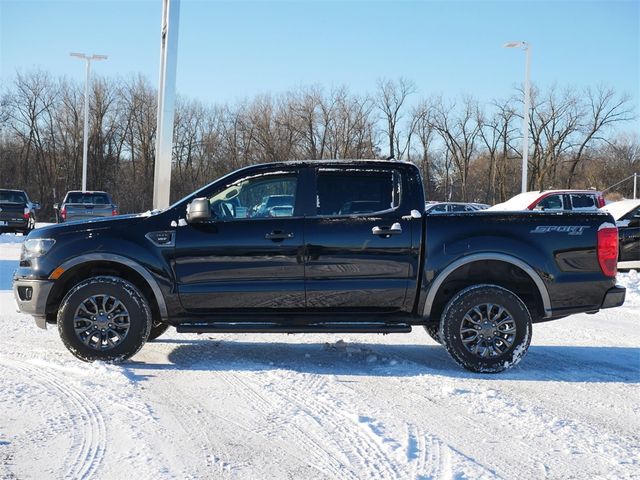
column 631, row 281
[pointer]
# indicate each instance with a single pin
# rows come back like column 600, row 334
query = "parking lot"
column 321, row 406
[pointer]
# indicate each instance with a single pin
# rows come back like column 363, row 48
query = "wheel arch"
column 436, row 295
column 85, row 266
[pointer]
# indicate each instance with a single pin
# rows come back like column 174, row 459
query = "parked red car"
column 550, row 200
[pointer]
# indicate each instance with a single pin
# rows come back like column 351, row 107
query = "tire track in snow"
column 87, row 449
column 303, row 408
column 196, row 423
column 277, row 413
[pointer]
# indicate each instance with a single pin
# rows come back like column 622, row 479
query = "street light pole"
column 527, row 107
column 85, row 141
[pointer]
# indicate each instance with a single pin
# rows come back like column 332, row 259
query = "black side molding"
column 241, row 327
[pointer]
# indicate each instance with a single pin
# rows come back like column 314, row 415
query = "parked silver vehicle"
column 78, row 205
column 451, row 207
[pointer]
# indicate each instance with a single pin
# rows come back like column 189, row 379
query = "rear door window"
column 88, row 198
column 583, row 201
column 12, row 197
column 343, row 192
column 458, row 208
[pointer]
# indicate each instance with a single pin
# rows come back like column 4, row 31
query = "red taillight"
column 114, row 212
column 63, row 213
column 608, row 250
column 25, row 215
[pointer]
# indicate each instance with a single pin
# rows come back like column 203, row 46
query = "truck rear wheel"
column 104, row 318
column 486, row 328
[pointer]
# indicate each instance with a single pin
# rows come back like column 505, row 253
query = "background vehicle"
column 450, row 207
column 266, row 208
column 78, row 205
column 17, row 211
column 554, row 200
column 475, row 282
column 626, row 213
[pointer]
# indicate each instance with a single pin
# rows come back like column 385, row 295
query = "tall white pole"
column 85, row 142
column 166, row 102
column 635, row 185
column 525, row 121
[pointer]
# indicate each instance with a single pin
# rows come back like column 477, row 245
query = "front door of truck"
column 358, row 245
column 249, row 256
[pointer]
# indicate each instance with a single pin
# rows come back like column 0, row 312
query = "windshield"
column 90, row 198
column 12, row 197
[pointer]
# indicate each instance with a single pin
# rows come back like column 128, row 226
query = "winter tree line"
column 466, row 151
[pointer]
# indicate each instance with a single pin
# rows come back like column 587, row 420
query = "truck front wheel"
column 104, row 318
column 157, row 329
column 486, row 328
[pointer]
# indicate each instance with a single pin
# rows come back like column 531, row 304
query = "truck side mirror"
column 36, row 206
column 198, row 211
column 56, row 206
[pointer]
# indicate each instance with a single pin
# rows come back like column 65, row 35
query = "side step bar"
column 279, row 328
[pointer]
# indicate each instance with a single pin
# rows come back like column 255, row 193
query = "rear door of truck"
column 358, row 246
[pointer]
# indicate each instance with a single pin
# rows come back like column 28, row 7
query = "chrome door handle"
column 278, row 235
column 394, row 229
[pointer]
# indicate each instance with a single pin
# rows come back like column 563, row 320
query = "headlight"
column 36, row 247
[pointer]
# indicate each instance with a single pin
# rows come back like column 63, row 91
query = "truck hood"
column 92, row 225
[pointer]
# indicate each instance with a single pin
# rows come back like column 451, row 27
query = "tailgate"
column 80, row 211
column 11, row 212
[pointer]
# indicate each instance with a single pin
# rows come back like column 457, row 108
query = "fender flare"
column 127, row 262
column 501, row 257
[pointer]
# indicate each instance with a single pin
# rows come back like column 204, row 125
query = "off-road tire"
column 139, row 315
column 455, row 319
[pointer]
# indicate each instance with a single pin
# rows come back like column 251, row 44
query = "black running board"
column 341, row 327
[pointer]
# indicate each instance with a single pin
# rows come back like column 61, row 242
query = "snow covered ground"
column 322, row 406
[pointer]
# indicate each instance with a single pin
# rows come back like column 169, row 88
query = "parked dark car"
column 626, row 213
column 78, row 205
column 554, row 201
column 17, row 211
column 476, row 283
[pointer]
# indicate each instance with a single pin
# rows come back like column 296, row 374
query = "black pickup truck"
column 325, row 246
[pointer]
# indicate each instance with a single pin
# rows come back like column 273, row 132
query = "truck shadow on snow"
column 542, row 363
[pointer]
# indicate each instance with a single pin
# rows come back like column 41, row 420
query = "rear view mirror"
column 198, row 211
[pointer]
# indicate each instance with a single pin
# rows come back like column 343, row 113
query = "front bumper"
column 31, row 298
column 614, row 297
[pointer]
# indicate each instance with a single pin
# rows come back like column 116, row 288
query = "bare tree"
column 604, row 109
column 390, row 99
column 459, row 130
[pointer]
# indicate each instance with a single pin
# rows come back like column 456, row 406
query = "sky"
column 229, row 51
